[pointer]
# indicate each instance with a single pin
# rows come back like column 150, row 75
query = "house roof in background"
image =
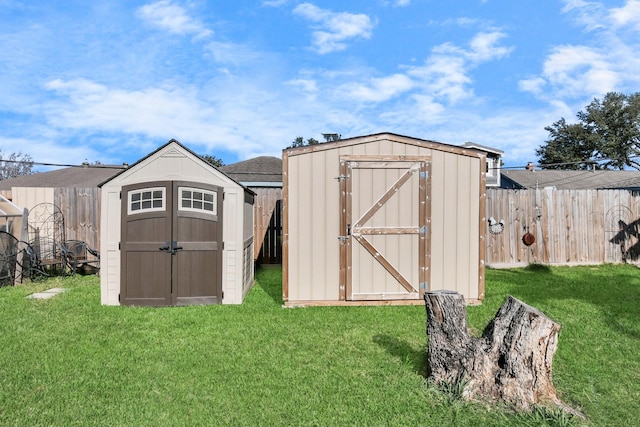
column 86, row 176
column 483, row 148
column 259, row 169
column 571, row 180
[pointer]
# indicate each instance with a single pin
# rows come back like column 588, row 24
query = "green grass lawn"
column 70, row 361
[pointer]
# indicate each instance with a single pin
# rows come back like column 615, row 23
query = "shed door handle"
column 166, row 247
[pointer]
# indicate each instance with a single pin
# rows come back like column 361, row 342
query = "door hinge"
column 118, row 297
column 424, row 229
column 120, row 195
column 223, row 246
column 342, row 177
column 119, row 248
column 343, row 238
column 222, row 294
column 424, row 286
column 424, row 175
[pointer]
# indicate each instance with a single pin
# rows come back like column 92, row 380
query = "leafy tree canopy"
column 607, row 135
column 16, row 164
column 300, row 141
column 213, row 160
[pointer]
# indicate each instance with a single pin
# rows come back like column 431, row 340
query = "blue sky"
column 111, row 81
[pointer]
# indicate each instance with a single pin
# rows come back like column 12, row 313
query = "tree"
column 331, row 136
column 300, row 142
column 607, row 134
column 17, row 164
column 213, row 160
column 328, row 137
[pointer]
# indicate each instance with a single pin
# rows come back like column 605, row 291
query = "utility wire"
column 84, row 165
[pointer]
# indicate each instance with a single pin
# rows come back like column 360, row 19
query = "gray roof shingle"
column 571, row 180
column 89, row 176
column 258, row 169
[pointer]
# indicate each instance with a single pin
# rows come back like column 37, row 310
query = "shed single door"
column 385, row 215
column 171, row 244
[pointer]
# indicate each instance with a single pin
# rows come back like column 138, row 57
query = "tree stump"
column 511, row 362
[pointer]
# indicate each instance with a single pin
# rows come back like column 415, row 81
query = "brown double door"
column 171, row 244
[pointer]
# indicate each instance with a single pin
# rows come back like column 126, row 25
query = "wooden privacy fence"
column 81, row 210
column 268, row 225
column 569, row 226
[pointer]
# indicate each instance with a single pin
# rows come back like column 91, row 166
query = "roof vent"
column 531, row 167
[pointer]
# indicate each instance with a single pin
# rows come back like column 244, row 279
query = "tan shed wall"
column 455, row 224
column 28, row 197
column 176, row 164
column 312, row 199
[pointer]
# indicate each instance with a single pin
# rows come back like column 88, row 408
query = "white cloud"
column 628, row 15
column 484, row 47
column 534, row 85
column 173, row 18
column 308, row 86
column 607, row 62
column 446, row 73
column 576, row 70
column 151, row 111
column 274, row 3
column 445, row 77
column 233, row 53
column 243, row 116
column 588, row 14
column 377, row 89
column 334, row 29
column 421, row 111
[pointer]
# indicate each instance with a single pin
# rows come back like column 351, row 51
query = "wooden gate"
column 171, row 244
column 384, row 226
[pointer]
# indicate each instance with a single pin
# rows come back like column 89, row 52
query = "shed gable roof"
column 434, row 145
column 172, row 149
column 571, row 180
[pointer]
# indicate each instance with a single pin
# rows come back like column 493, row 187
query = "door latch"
column 345, row 238
column 176, row 248
column 171, row 247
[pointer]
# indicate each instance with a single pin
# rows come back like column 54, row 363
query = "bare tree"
column 16, row 164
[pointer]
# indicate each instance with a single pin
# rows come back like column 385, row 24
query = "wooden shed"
column 381, row 219
column 175, row 231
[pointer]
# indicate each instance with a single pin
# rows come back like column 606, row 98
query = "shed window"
column 146, row 199
column 199, row 200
